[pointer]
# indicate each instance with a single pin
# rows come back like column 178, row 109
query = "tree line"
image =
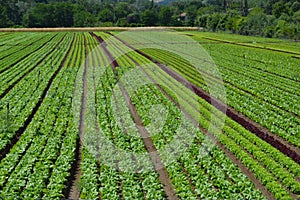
column 269, row 18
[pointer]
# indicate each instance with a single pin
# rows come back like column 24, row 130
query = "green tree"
column 257, row 21
column 122, row 9
column 295, row 6
column 63, row 14
column 3, row 14
column 285, row 30
column 39, row 16
column 84, row 19
column 296, row 17
column 245, row 7
column 133, row 18
column 149, row 18
column 165, row 16
column 232, row 16
column 106, row 15
column 279, row 8
column 213, row 21
column 49, row 15
column 122, row 22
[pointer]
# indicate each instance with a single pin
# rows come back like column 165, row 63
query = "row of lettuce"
column 264, row 86
column 257, row 155
column 249, row 91
column 38, row 165
column 192, row 176
column 25, row 93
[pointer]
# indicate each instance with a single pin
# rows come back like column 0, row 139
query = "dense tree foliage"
column 270, row 18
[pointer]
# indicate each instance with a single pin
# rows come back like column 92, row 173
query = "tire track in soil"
column 284, row 146
column 73, row 191
column 155, row 158
column 22, row 129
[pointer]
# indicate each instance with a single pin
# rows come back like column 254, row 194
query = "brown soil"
column 181, row 165
column 158, row 164
column 248, row 173
column 296, row 57
column 73, row 189
column 231, row 156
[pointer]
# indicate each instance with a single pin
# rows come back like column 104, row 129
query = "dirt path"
column 80, row 29
column 276, row 141
column 74, row 192
column 155, row 158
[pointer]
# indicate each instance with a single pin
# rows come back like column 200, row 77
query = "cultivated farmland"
column 142, row 115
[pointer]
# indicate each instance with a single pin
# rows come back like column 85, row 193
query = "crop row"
column 38, row 164
column 276, row 120
column 23, row 97
column 17, row 68
column 100, row 179
column 250, row 144
column 270, row 150
column 145, row 98
column 277, row 63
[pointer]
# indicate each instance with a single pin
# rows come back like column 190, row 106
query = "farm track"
column 277, row 142
column 21, row 130
column 232, row 157
column 296, row 57
column 155, row 158
column 72, row 191
column 296, row 178
column 30, row 70
column 131, row 149
column 96, row 122
column 120, row 184
column 251, row 46
column 163, row 91
column 259, row 186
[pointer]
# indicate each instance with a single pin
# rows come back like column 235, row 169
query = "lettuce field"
column 148, row 114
